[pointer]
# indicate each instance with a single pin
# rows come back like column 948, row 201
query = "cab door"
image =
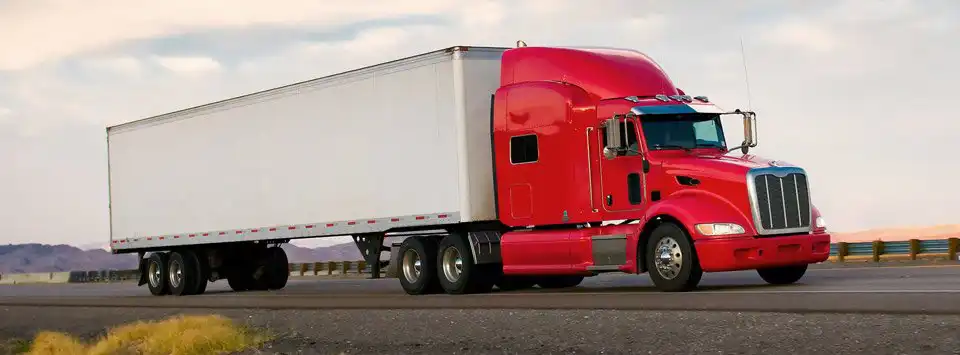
column 622, row 180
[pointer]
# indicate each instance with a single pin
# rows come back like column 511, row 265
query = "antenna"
column 746, row 77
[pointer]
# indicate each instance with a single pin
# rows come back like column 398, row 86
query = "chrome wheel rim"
column 452, row 264
column 668, row 258
column 154, row 274
column 176, row 273
column 412, row 265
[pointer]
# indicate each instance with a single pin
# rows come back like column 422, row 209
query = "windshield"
column 686, row 131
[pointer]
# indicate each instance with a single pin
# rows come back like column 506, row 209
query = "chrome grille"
column 780, row 198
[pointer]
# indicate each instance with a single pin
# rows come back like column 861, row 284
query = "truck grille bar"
column 780, row 200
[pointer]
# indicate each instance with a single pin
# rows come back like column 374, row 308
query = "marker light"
column 821, row 223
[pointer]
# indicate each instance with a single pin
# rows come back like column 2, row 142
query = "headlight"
column 821, row 223
column 719, row 228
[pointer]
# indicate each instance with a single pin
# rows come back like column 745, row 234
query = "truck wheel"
column 276, row 268
column 457, row 272
column 182, row 273
column 671, row 259
column 157, row 274
column 559, row 281
column 240, row 280
column 199, row 285
column 417, row 271
column 783, row 275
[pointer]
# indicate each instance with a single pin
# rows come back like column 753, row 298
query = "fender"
column 692, row 206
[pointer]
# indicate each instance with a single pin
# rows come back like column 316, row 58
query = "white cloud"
column 836, row 90
column 189, row 65
column 43, row 31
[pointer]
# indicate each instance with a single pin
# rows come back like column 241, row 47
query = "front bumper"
column 756, row 253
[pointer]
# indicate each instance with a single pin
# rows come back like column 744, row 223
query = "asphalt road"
column 906, row 290
column 849, row 311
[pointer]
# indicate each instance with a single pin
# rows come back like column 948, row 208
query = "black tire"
column 551, row 282
column 183, row 271
column 276, row 268
column 204, row 278
column 468, row 277
column 783, row 275
column 416, row 281
column 199, row 284
column 240, row 281
column 157, row 282
column 678, row 242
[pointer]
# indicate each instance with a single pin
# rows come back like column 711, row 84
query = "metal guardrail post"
column 952, row 245
column 842, row 251
column 914, row 248
column 877, row 250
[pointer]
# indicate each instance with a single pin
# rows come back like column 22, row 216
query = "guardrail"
column 877, row 251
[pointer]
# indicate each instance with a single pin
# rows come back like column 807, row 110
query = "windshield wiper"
column 661, row 146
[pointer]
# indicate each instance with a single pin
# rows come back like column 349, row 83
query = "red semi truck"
column 501, row 167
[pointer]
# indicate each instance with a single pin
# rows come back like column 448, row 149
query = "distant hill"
column 19, row 258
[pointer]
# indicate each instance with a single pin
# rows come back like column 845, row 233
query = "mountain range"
column 18, row 258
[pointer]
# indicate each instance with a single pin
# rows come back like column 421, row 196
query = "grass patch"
column 14, row 346
column 179, row 335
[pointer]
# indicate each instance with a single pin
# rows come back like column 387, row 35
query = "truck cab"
column 602, row 139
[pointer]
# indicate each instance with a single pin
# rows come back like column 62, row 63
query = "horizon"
column 827, row 79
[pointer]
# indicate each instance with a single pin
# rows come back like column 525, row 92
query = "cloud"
column 189, row 65
column 839, row 92
column 45, row 31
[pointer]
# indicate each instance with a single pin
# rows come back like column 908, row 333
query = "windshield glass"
column 685, row 131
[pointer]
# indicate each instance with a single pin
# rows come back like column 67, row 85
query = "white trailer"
column 209, row 191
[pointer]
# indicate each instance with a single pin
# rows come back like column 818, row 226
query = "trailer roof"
column 438, row 52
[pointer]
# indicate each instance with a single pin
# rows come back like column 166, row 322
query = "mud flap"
column 143, row 269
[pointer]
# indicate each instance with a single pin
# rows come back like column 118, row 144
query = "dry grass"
column 180, row 335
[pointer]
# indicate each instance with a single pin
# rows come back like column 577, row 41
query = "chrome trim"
column 779, row 172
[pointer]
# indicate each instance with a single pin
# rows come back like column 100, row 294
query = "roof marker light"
column 663, row 98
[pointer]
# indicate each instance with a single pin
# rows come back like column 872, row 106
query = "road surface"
column 865, row 310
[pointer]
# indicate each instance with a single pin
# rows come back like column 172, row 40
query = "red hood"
column 713, row 165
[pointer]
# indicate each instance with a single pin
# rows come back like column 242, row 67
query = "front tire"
column 671, row 259
column 783, row 275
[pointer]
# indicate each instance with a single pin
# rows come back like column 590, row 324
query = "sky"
column 858, row 92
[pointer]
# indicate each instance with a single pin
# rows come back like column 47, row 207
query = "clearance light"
column 821, row 223
column 719, row 228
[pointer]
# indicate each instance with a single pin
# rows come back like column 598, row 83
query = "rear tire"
column 456, row 269
column 783, row 275
column 156, row 270
column 671, row 259
column 182, row 271
column 276, row 268
column 417, row 269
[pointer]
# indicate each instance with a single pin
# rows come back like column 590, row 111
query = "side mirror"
column 749, row 131
column 614, row 137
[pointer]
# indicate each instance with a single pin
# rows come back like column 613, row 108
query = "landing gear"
column 671, row 259
column 783, row 275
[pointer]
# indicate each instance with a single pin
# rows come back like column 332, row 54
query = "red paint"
column 291, row 228
column 562, row 96
column 752, row 253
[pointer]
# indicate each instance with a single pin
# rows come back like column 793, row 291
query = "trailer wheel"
column 157, row 274
column 417, row 266
column 457, row 272
column 194, row 264
column 276, row 268
column 559, row 281
column 183, row 271
column 671, row 259
column 240, row 281
column 783, row 275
